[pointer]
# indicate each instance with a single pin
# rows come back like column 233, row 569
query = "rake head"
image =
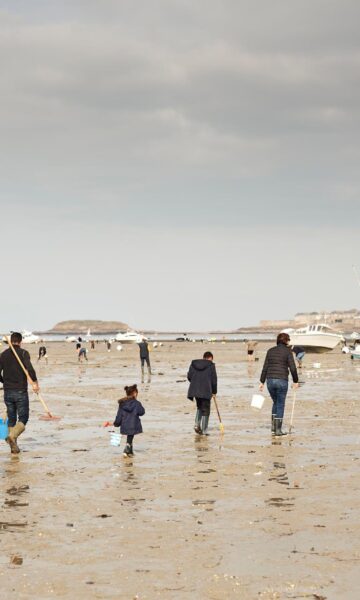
column 49, row 418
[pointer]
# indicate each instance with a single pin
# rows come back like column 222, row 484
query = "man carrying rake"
column 15, row 385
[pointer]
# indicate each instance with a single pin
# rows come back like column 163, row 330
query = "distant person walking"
column 108, row 346
column 145, row 357
column 278, row 362
column 42, row 353
column 15, row 384
column 203, row 386
column 251, row 346
column 128, row 417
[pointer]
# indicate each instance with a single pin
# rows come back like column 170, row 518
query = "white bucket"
column 115, row 439
column 257, row 401
column 316, row 365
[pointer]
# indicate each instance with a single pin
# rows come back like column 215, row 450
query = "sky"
column 177, row 165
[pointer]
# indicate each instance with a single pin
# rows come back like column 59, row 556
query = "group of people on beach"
column 202, row 377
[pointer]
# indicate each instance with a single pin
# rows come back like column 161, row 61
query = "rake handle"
column 292, row 411
column 217, row 410
column 27, row 375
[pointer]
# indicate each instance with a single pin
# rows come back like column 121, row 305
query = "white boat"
column 129, row 336
column 71, row 338
column 28, row 337
column 315, row 338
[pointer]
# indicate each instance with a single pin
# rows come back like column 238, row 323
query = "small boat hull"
column 317, row 343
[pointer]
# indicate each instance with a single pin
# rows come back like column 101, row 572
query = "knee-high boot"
column 278, row 427
column 197, row 426
column 14, row 433
column 205, row 424
column 273, row 424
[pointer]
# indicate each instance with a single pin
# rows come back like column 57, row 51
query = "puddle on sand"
column 14, row 503
column 280, row 502
column 6, row 526
column 282, row 477
column 17, row 491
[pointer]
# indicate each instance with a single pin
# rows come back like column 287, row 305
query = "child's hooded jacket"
column 128, row 416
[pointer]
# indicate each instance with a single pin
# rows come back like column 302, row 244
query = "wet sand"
column 235, row 516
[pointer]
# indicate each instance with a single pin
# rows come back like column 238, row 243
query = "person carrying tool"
column 15, row 385
column 203, row 386
column 278, row 362
column 145, row 357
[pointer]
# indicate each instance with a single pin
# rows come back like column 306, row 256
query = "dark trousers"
column 278, row 389
column 17, row 404
column 145, row 359
column 203, row 405
column 129, row 439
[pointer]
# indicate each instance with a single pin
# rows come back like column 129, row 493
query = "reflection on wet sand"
column 192, row 516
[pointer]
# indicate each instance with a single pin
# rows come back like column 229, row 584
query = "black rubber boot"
column 278, row 428
column 197, row 426
column 204, row 424
column 127, row 450
column 272, row 424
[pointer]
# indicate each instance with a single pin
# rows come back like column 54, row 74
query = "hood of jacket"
column 129, row 405
column 201, row 364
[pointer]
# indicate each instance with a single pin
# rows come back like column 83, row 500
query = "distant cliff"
column 82, row 326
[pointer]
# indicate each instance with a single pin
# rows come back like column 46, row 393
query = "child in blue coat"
column 128, row 417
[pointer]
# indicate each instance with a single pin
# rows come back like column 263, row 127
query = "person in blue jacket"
column 203, row 386
column 128, row 417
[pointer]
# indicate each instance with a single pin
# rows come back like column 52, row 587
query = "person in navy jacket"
column 203, row 386
column 128, row 417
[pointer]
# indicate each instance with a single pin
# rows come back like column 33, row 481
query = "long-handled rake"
column 48, row 416
column 221, row 426
column 292, row 411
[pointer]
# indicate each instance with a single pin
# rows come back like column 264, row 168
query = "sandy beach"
column 241, row 515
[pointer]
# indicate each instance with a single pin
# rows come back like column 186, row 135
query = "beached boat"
column 315, row 338
column 129, row 336
column 28, row 337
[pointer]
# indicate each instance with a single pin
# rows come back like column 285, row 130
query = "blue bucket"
column 4, row 430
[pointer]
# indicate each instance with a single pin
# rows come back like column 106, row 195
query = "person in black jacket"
column 203, row 385
column 15, row 385
column 279, row 360
column 145, row 357
column 128, row 417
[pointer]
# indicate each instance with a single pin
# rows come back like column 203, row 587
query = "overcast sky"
column 178, row 164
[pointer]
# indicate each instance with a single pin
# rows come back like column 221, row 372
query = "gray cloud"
column 174, row 114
